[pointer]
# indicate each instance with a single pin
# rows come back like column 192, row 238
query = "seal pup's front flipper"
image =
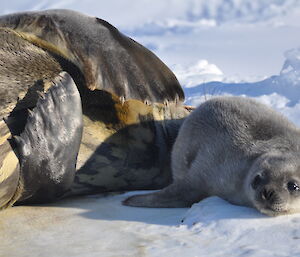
column 49, row 144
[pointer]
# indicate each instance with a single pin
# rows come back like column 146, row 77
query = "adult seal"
column 239, row 150
column 83, row 109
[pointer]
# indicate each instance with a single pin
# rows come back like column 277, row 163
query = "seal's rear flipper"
column 169, row 197
column 49, row 144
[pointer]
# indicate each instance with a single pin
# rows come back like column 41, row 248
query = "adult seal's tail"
column 39, row 165
column 49, row 145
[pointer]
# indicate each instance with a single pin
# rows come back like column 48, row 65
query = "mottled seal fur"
column 131, row 108
column 237, row 149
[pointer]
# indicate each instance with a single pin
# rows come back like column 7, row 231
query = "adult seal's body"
column 237, row 149
column 74, row 90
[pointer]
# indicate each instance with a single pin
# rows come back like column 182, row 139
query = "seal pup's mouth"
column 275, row 210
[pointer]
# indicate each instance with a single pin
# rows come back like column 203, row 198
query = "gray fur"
column 222, row 147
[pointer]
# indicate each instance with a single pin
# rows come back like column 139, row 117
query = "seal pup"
column 237, row 149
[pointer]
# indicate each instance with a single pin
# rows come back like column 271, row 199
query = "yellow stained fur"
column 9, row 171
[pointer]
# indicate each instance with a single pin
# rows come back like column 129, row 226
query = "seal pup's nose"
column 269, row 195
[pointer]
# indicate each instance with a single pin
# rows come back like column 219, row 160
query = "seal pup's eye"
column 293, row 186
column 256, row 181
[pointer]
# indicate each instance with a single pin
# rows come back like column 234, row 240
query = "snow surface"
column 100, row 226
column 215, row 47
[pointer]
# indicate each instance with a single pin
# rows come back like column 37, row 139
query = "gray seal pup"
column 237, row 149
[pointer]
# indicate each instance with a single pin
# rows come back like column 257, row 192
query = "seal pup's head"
column 273, row 183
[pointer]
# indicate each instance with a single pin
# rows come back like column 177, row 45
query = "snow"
column 241, row 231
column 281, row 92
column 233, row 47
column 101, row 226
column 198, row 73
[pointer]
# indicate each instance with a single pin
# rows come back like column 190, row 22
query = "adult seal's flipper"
column 108, row 60
column 49, row 144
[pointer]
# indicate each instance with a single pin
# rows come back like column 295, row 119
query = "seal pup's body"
column 237, row 149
